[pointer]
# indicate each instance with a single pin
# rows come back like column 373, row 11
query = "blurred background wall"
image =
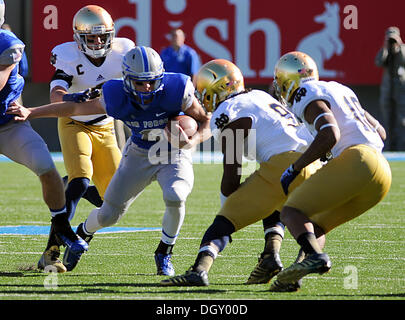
column 19, row 15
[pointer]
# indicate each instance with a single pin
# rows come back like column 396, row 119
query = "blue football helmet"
column 142, row 64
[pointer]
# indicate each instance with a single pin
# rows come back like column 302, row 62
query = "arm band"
column 327, row 125
column 321, row 115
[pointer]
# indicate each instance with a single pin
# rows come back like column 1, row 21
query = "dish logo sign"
column 253, row 34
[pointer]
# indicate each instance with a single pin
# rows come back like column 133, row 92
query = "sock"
column 308, row 243
column 60, row 224
column 300, row 256
column 91, row 225
column 172, row 220
column 52, row 240
column 164, row 248
column 55, row 212
column 273, row 233
column 92, row 196
column 203, row 261
column 273, row 243
column 82, row 232
column 74, row 191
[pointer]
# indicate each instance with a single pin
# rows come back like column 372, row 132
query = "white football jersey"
column 274, row 129
column 345, row 106
column 78, row 73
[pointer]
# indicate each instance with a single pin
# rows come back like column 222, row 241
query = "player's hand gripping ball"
column 180, row 129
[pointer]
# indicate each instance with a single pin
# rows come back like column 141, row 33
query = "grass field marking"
column 44, row 230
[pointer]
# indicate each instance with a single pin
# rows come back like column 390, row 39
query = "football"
column 187, row 123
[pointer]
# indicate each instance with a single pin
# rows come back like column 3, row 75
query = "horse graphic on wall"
column 324, row 44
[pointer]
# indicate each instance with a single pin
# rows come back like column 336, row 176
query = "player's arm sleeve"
column 23, row 66
column 12, row 55
column 61, row 79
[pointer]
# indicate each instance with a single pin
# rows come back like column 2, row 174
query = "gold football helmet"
column 94, row 31
column 216, row 81
column 290, row 69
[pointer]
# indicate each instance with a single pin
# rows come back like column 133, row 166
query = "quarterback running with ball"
column 145, row 99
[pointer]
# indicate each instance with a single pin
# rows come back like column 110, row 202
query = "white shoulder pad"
column 65, row 55
column 229, row 111
column 122, row 45
column 308, row 92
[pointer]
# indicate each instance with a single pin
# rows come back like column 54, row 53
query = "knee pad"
column 219, row 233
column 41, row 161
column 178, row 192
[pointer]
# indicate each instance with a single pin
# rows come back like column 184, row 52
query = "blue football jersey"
column 11, row 51
column 146, row 124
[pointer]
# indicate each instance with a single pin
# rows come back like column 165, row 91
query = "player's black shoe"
column 268, row 266
column 313, row 263
column 164, row 264
column 189, row 279
column 50, row 262
column 278, row 286
column 80, row 232
column 73, row 252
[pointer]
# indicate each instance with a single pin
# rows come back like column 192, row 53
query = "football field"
column 368, row 253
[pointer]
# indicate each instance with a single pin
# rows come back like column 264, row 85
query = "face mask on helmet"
column 290, row 70
column 94, row 31
column 142, row 65
column 216, row 81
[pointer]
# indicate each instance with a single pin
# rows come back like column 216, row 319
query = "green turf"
column 121, row 266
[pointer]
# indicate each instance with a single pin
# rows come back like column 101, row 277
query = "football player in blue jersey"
column 145, row 99
column 20, row 143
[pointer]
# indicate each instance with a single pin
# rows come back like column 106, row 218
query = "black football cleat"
column 278, row 286
column 268, row 266
column 313, row 263
column 189, row 279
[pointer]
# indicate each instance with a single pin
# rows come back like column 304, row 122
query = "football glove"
column 287, row 177
column 81, row 96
